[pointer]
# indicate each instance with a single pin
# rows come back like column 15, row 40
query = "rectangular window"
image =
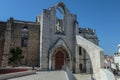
column 80, row 50
column 24, row 42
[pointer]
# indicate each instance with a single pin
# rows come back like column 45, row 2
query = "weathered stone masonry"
column 50, row 42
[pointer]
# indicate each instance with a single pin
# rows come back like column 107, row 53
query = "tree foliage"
column 15, row 56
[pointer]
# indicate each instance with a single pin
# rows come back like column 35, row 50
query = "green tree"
column 15, row 56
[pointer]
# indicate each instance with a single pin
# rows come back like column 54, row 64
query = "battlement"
column 89, row 34
column 87, row 30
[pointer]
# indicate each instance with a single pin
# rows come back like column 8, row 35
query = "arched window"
column 59, row 12
column 60, row 20
column 24, row 38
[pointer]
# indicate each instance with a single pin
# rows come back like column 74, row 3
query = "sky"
column 101, row 15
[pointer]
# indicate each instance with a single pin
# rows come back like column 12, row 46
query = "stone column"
column 50, row 61
column 77, row 70
column 88, row 66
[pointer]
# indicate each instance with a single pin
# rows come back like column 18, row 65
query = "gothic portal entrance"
column 59, row 60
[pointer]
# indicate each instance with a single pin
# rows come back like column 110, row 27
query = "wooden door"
column 59, row 60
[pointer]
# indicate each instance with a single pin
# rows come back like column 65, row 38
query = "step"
column 83, row 76
column 45, row 75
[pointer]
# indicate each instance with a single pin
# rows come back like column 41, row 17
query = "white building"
column 117, row 58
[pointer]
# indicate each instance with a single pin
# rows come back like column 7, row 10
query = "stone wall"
column 2, row 39
column 12, row 36
column 31, row 51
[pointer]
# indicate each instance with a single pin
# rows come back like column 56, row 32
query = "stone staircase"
column 83, row 76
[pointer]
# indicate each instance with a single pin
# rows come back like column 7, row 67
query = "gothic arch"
column 60, row 58
column 60, row 4
column 60, row 18
column 60, row 44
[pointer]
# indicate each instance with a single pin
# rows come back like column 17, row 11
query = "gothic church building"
column 50, row 42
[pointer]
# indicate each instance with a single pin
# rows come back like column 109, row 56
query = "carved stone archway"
column 60, row 46
column 60, row 58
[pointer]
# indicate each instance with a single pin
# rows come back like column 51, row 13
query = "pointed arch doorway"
column 59, row 60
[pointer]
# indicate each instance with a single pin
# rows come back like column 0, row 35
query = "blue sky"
column 101, row 15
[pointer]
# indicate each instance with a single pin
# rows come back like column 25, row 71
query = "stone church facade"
column 50, row 42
